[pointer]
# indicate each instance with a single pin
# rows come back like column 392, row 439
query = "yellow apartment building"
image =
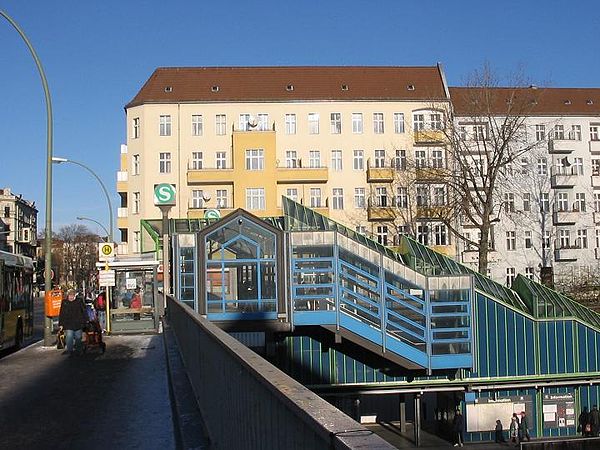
column 343, row 140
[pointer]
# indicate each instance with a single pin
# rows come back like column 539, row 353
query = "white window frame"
column 136, row 203
column 135, row 164
column 337, row 198
column 315, row 197
column 313, row 123
column 255, row 159
column 197, row 125
column 221, row 198
column 197, row 199
column 221, row 160
column 314, row 159
column 358, row 159
column 359, row 197
column 197, row 160
column 398, row 123
column 378, row 123
column 164, row 125
column 336, row 160
column 291, row 159
column 136, row 128
column 290, row 123
column 255, row 199
column 357, row 123
column 336, row 122
column 164, row 162
column 220, row 124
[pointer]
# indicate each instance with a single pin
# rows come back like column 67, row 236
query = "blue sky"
column 97, row 54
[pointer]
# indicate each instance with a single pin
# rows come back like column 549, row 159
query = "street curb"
column 190, row 430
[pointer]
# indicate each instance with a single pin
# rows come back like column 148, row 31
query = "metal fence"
column 246, row 402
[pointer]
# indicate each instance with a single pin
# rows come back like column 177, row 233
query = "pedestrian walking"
column 72, row 319
column 499, row 437
column 594, row 421
column 514, row 429
column 584, row 423
column 100, row 306
column 524, row 428
column 458, row 426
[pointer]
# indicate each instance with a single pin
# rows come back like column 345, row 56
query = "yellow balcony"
column 122, row 222
column 429, row 136
column 433, row 211
column 377, row 213
column 210, row 176
column 287, row 175
column 447, row 250
column 431, row 173
column 380, row 174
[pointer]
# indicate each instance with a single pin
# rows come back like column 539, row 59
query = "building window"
column 562, row 201
column 357, row 123
column 575, row 133
column 381, row 199
column 595, row 167
column 577, row 166
column 542, row 166
column 422, row 197
column 559, row 132
column 164, row 162
column 420, row 159
column 136, row 127
column 361, row 229
column 564, row 238
column 263, row 122
column 358, row 162
column 290, row 124
column 221, row 160
column 336, row 160
column 135, row 165
column 292, row 194
column 378, row 123
column 511, row 240
column 437, row 159
column 359, row 197
column 402, row 197
column 197, row 125
column 544, row 202
column 165, row 125
column 255, row 159
column 315, row 197
column 440, row 234
column 244, row 122
column 529, row 272
column 509, row 203
column 314, row 159
column 398, row 123
column 291, row 159
column 220, row 124
column 436, row 121
column 137, row 242
column 582, row 240
column 379, row 158
column 221, row 198
column 579, row 202
column 526, row 202
column 382, row 234
column 594, row 132
column 511, row 274
column 336, row 123
column 439, row 195
column 540, row 132
column 597, row 202
column 423, row 234
column 313, row 123
column 400, row 159
column 418, row 122
column 197, row 199
column 255, row 198
column 528, row 239
column 337, row 198
column 479, row 132
column 136, row 203
column 197, row 161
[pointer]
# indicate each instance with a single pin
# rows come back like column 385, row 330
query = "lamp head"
column 58, row 160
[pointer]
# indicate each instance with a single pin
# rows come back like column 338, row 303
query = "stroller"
column 92, row 332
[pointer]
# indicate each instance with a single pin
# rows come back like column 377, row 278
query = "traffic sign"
column 106, row 250
column 164, row 194
column 106, row 278
column 212, row 214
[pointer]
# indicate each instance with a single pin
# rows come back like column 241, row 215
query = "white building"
column 18, row 220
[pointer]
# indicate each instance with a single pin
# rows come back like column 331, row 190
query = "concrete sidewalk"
column 119, row 399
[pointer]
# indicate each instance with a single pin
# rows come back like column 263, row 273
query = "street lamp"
column 98, row 223
column 58, row 160
column 48, row 229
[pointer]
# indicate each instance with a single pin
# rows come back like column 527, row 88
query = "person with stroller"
column 72, row 320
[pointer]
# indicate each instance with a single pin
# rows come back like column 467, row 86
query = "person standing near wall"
column 458, row 427
column 514, row 429
column 595, row 420
column 524, row 428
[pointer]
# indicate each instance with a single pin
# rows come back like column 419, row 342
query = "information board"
column 559, row 410
column 483, row 413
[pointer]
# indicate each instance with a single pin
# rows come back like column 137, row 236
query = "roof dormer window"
column 215, row 88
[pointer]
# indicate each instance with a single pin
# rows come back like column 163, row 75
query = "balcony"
column 122, row 249
column 596, row 180
column 200, row 175
column 563, row 177
column 122, row 178
column 565, row 216
column 425, row 173
column 432, row 211
column 561, row 146
column 472, row 256
column 382, row 209
column 122, row 212
column 595, row 147
column 429, row 136
column 378, row 172
column 295, row 173
column 566, row 252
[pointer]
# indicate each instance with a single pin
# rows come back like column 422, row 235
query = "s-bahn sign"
column 164, row 194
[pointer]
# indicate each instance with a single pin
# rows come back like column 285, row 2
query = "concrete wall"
column 248, row 403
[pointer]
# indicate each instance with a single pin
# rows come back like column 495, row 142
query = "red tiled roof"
column 542, row 101
column 262, row 84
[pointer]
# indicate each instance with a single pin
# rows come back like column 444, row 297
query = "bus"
column 16, row 299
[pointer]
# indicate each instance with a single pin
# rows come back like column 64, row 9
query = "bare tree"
column 78, row 254
column 486, row 134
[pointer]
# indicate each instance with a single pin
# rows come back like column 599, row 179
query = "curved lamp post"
column 58, row 160
column 97, row 223
column 48, row 229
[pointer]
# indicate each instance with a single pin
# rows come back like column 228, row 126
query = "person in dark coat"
column 72, row 319
column 524, row 428
column 499, row 437
column 584, row 422
column 458, row 427
column 595, row 420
